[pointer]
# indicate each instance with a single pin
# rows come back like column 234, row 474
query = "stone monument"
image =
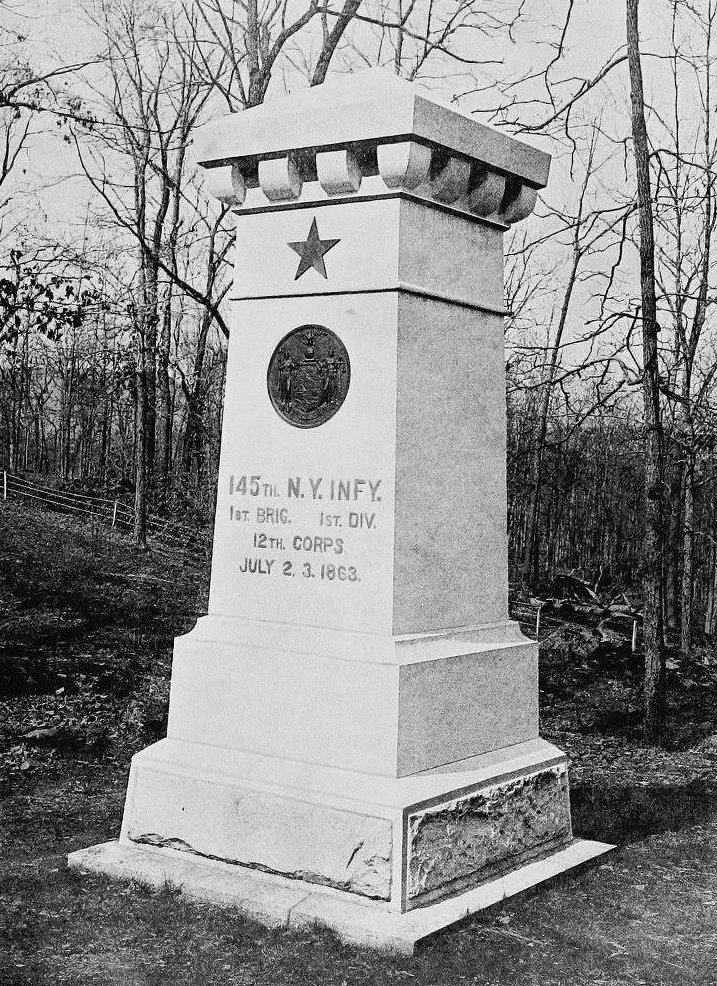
column 353, row 727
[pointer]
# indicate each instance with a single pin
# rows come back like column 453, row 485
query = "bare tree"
column 587, row 230
column 655, row 691
column 148, row 106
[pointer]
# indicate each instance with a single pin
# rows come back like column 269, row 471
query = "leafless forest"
column 114, row 319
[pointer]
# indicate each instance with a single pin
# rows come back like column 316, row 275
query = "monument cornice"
column 333, row 137
column 373, row 106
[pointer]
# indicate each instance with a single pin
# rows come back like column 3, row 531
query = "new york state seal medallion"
column 308, row 376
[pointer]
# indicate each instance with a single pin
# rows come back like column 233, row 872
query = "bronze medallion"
column 308, row 376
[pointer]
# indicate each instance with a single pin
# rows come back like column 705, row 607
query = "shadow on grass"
column 623, row 813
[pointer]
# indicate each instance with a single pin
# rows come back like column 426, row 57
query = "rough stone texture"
column 367, row 871
column 472, row 837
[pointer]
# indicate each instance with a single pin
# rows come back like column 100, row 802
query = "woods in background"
column 114, row 323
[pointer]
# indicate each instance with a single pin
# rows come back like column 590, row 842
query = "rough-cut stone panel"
column 483, row 831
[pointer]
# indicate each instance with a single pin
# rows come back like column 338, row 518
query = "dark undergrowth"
column 80, row 597
column 623, row 813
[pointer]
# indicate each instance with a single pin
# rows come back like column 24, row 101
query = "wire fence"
column 170, row 539
column 166, row 537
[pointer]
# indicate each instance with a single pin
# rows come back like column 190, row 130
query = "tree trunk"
column 673, row 548
column 711, row 569
column 150, row 364
column 163, row 439
column 532, row 546
column 655, row 698
column 686, row 588
column 140, row 445
column 711, row 617
column 68, row 397
column 192, row 452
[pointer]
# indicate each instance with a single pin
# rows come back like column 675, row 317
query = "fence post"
column 537, row 623
column 634, row 636
column 114, row 514
column 4, row 484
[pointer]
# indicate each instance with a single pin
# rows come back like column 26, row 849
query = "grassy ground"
column 86, row 627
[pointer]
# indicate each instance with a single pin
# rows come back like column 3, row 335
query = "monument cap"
column 367, row 124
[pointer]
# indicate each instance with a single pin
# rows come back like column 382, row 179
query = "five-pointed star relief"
column 312, row 250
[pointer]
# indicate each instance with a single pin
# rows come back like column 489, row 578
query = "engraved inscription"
column 308, row 376
column 336, row 520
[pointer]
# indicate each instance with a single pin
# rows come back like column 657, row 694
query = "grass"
column 90, row 636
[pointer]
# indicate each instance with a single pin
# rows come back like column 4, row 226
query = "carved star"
column 312, row 250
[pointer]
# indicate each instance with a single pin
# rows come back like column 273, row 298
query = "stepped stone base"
column 381, row 859
column 278, row 901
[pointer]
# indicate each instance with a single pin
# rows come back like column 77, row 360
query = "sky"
column 61, row 32
column 58, row 194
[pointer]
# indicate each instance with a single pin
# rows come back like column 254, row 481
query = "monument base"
column 359, row 852
column 279, row 901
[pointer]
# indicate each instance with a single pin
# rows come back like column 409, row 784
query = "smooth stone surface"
column 279, row 179
column 451, row 255
column 276, row 833
column 451, row 182
column 404, row 165
column 339, row 172
column 348, row 710
column 347, row 645
column 458, row 707
column 423, row 421
column 267, row 899
column 450, row 554
column 277, row 901
column 378, row 795
column 373, row 189
column 487, row 195
column 421, row 247
column 520, row 206
column 227, row 184
column 311, row 472
column 373, row 105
